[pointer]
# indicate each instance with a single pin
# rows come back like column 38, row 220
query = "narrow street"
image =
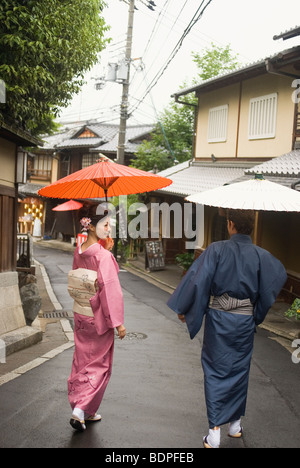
column 155, row 398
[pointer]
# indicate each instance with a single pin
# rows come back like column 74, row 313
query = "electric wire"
column 177, row 47
column 197, row 16
column 170, row 30
column 159, row 22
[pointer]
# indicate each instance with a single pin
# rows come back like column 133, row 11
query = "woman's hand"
column 121, row 331
column 109, row 243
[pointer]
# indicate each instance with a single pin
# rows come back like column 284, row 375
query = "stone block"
column 11, row 310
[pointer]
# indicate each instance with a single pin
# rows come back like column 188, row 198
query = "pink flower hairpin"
column 85, row 223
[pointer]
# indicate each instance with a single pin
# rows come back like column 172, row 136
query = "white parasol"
column 256, row 194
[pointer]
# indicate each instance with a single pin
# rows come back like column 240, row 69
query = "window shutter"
column 262, row 117
column 217, row 124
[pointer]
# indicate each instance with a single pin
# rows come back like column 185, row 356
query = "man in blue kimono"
column 233, row 284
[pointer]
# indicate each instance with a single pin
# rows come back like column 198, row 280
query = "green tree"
column 215, row 61
column 46, row 47
column 171, row 140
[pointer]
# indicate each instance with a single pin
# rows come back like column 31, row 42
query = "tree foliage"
column 46, row 46
column 214, row 61
column 171, row 140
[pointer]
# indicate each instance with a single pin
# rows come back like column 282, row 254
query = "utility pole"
column 125, row 93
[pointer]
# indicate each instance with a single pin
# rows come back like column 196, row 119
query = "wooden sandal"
column 93, row 418
column 238, row 435
column 77, row 424
column 206, row 444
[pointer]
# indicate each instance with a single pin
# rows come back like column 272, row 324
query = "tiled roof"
column 286, row 165
column 285, row 181
column 132, row 133
column 293, row 32
column 193, row 177
column 51, row 141
column 29, row 189
column 173, row 169
column 245, row 71
column 200, row 177
column 107, row 137
column 80, row 143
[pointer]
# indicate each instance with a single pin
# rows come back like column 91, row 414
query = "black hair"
column 89, row 211
column 243, row 220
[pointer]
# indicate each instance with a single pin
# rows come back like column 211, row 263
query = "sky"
column 247, row 26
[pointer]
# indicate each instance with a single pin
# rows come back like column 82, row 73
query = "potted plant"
column 294, row 310
column 185, row 260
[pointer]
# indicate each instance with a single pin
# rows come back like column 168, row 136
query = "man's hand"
column 181, row 318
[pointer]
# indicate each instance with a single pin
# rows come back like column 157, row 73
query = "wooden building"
column 247, row 120
column 13, row 163
column 73, row 148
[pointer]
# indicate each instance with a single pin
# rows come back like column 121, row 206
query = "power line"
column 197, row 16
column 163, row 14
column 148, row 3
column 125, row 92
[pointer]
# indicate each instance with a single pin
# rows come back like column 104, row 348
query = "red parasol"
column 105, row 178
column 68, row 206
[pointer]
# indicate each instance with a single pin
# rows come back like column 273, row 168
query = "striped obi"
column 231, row 304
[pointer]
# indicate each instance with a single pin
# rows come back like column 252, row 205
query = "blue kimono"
column 241, row 270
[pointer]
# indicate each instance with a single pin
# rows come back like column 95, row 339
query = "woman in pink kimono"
column 94, row 323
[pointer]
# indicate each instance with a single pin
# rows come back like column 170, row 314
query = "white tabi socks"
column 77, row 420
column 235, row 428
column 78, row 413
column 214, row 438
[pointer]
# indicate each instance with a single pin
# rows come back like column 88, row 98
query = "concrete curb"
column 16, row 344
column 21, row 338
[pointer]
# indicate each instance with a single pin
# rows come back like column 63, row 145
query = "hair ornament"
column 85, row 223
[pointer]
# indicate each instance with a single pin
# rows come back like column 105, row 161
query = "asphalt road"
column 155, row 398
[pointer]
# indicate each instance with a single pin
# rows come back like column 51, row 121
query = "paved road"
column 155, row 397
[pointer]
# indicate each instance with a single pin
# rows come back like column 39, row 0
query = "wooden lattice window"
column 263, row 117
column 217, row 124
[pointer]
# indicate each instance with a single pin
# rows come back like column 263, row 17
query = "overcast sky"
column 248, row 26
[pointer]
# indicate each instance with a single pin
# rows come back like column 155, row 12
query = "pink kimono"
column 94, row 336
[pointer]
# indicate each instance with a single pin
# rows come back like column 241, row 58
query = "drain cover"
column 134, row 336
column 56, row 314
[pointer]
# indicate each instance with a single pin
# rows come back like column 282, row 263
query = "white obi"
column 81, row 287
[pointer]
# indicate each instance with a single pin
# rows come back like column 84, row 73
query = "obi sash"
column 231, row 304
column 81, row 287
